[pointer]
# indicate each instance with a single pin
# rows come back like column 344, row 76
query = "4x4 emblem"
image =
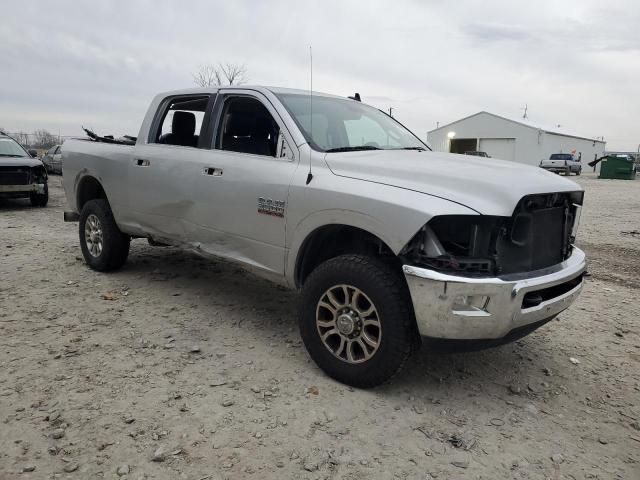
column 271, row 207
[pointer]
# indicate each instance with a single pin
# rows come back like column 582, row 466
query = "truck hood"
column 19, row 162
column 486, row 185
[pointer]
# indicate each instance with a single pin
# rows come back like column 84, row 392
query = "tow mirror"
column 33, row 153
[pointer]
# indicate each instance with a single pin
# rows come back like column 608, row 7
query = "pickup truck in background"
column 388, row 241
column 562, row 163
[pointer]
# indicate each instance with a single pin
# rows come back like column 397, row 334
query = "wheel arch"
column 89, row 188
column 332, row 240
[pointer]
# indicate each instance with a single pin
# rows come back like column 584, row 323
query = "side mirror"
column 33, row 152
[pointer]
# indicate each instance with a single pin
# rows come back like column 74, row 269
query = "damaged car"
column 22, row 175
column 390, row 244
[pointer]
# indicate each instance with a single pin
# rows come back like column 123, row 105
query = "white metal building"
column 516, row 140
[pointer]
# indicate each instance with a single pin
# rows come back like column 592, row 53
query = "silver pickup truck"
column 562, row 163
column 389, row 242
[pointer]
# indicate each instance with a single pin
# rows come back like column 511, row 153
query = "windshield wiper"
column 352, row 149
column 420, row 149
column 12, row 155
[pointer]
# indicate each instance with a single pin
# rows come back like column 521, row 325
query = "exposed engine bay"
column 539, row 234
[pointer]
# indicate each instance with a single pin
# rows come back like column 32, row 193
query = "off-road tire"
column 388, row 290
column 40, row 199
column 115, row 244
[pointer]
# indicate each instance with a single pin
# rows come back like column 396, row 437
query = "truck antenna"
column 310, row 175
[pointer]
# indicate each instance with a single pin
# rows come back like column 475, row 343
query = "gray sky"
column 576, row 63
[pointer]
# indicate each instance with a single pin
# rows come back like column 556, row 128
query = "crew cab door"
column 242, row 189
column 162, row 170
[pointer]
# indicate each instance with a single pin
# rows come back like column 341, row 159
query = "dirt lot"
column 200, row 365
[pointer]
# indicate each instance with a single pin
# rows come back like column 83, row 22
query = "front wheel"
column 356, row 320
column 40, row 199
column 103, row 245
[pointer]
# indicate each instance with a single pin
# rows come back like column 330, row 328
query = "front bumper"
column 463, row 308
column 33, row 187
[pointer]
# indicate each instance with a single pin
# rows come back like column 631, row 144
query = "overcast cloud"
column 576, row 63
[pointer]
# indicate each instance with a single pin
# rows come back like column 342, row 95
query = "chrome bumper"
column 463, row 308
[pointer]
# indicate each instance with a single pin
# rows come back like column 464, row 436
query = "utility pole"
column 524, row 110
column 391, row 111
column 437, row 124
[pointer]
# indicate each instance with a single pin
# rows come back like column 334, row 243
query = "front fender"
column 392, row 214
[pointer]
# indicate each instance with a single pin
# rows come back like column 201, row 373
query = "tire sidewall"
column 390, row 306
column 98, row 208
column 40, row 199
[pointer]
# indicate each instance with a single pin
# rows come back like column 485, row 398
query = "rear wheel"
column 40, row 199
column 103, row 245
column 356, row 320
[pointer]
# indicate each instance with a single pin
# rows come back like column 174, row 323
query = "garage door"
column 504, row 148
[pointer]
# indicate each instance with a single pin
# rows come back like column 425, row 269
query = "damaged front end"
column 20, row 181
column 475, row 277
column 539, row 234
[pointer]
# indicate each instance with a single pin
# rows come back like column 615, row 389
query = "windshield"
column 343, row 125
column 561, row 156
column 10, row 148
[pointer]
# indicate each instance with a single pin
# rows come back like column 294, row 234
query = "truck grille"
column 15, row 176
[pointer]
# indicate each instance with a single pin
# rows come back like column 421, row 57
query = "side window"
column 51, row 151
column 181, row 121
column 246, row 126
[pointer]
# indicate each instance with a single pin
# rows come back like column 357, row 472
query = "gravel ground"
column 178, row 367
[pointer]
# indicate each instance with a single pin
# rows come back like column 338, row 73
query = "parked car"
column 562, row 163
column 21, row 174
column 53, row 159
column 478, row 154
column 387, row 240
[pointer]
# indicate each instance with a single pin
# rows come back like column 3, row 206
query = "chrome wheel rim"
column 93, row 235
column 348, row 324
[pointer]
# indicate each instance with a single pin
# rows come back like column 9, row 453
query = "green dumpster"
column 620, row 167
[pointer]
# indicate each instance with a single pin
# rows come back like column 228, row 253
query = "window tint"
column 561, row 156
column 182, row 120
column 247, row 127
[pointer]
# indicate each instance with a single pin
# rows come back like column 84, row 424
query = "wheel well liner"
column 333, row 240
column 89, row 188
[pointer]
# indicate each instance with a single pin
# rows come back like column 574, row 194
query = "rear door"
column 163, row 170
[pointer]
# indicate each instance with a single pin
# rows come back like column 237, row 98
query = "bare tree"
column 210, row 75
column 22, row 138
column 44, row 139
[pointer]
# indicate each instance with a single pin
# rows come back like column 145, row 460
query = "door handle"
column 212, row 171
column 141, row 162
